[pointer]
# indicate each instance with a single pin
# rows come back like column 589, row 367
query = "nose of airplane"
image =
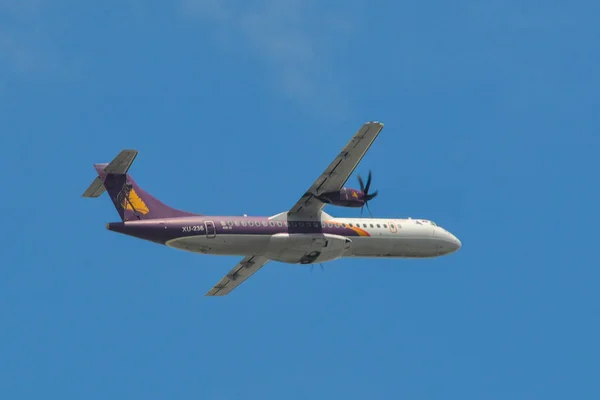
column 456, row 243
column 450, row 242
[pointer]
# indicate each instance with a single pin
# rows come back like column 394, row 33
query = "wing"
column 338, row 172
column 242, row 271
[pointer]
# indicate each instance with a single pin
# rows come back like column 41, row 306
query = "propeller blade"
column 368, row 209
column 371, row 196
column 365, row 189
column 368, row 183
column 362, row 184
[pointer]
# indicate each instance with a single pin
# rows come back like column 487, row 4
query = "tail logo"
column 130, row 200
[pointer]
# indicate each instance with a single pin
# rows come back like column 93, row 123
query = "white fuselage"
column 406, row 238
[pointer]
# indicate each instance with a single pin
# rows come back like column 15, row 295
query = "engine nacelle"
column 346, row 197
column 307, row 248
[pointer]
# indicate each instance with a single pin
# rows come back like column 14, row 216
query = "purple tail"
column 131, row 201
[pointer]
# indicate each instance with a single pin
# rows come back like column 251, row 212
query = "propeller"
column 365, row 189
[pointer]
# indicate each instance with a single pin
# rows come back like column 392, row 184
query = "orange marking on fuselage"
column 360, row 231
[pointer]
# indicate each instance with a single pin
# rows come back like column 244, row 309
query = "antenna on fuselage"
column 313, row 265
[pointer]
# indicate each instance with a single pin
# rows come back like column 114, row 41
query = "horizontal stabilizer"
column 95, row 189
column 131, row 201
column 119, row 166
column 122, row 162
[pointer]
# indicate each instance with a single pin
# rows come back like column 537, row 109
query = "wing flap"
column 242, row 271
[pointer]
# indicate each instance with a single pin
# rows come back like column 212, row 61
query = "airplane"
column 304, row 234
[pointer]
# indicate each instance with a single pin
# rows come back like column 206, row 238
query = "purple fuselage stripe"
column 163, row 230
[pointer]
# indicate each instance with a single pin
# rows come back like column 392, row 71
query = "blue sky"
column 491, row 130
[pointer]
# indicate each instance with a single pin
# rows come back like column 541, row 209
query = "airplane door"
column 211, row 232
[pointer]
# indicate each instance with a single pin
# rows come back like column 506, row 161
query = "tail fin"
column 131, row 201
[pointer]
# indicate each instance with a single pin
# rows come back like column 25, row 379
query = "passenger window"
column 378, row 226
column 265, row 223
column 384, row 225
column 230, row 223
column 250, row 223
column 237, row 223
column 272, row 223
column 364, row 225
column 223, row 223
column 279, row 224
column 399, row 226
column 371, row 225
column 243, row 223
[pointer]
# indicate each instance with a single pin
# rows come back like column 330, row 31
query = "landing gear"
column 310, row 257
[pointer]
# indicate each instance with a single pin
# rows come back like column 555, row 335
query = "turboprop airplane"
column 303, row 235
